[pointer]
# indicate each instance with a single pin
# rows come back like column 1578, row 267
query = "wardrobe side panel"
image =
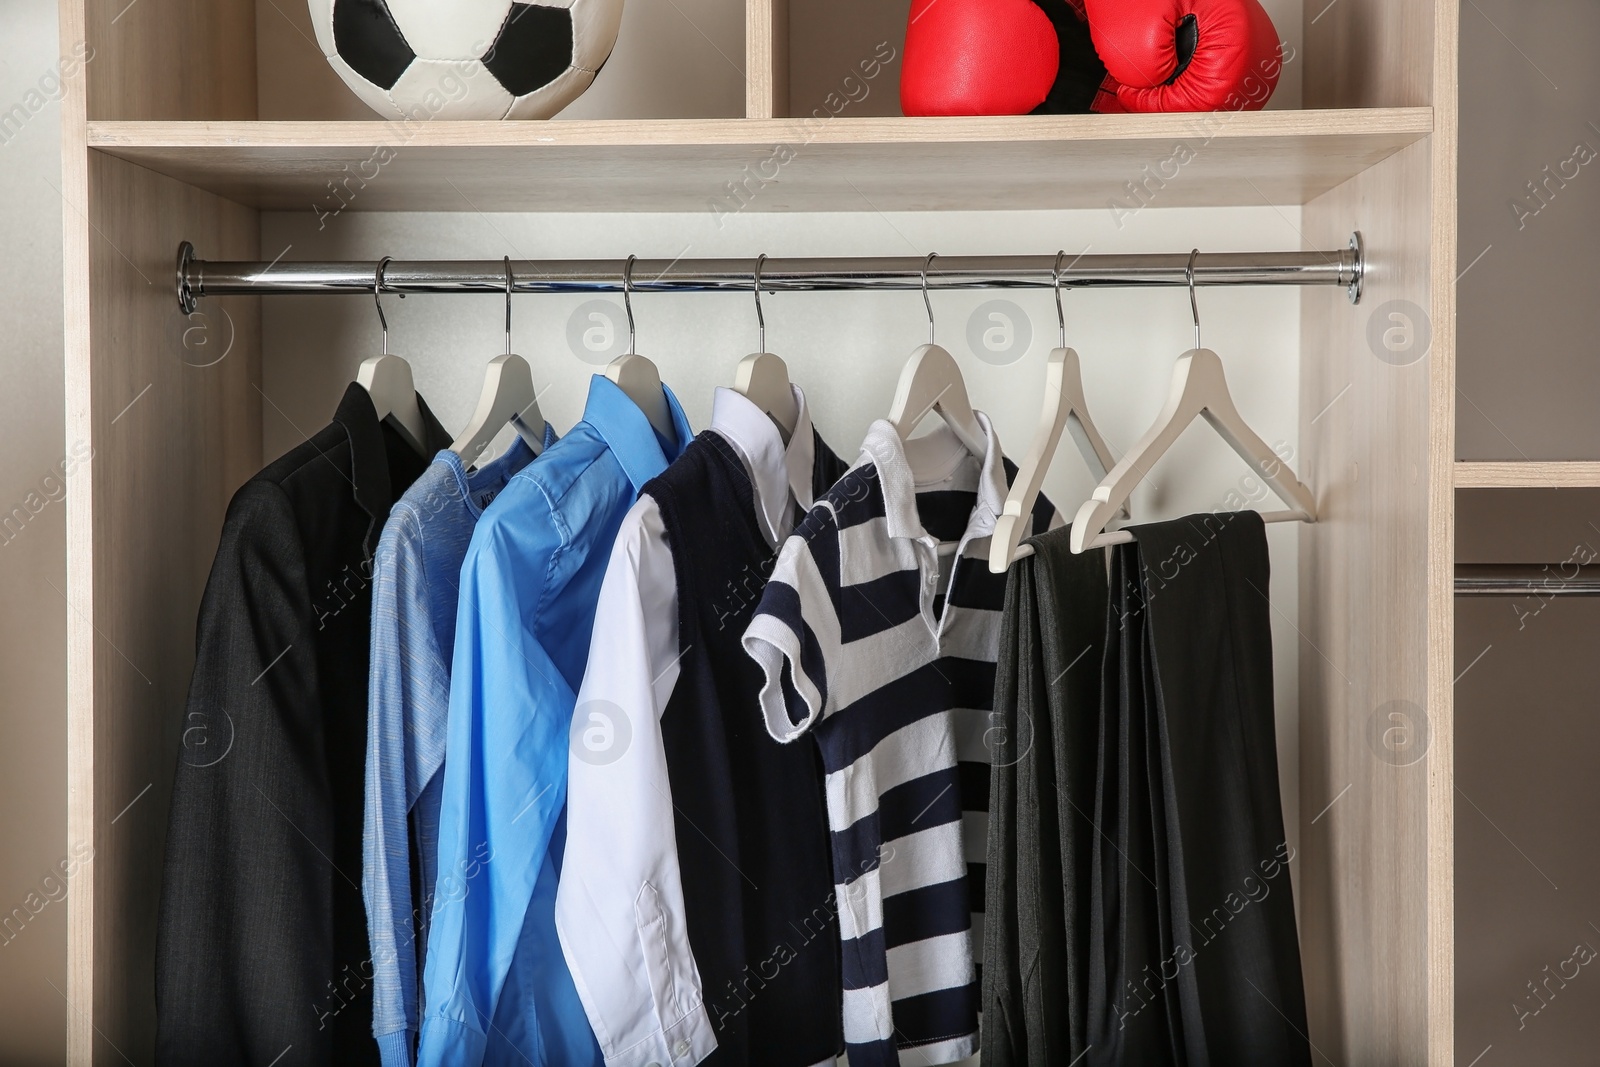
column 1368, row 729
column 1444, row 230
column 1368, row 53
column 77, row 247
column 174, row 421
column 168, row 59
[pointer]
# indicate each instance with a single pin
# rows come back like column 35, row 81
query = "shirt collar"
column 884, row 447
column 780, row 474
column 628, row 433
column 369, row 461
column 494, row 475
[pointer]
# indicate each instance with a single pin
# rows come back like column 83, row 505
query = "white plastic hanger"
column 763, row 378
column 388, row 381
column 931, row 381
column 637, row 376
column 1064, row 406
column 1198, row 388
column 508, row 396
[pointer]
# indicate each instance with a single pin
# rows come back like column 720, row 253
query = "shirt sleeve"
column 402, row 676
column 504, row 782
column 247, row 896
column 794, row 636
column 619, row 908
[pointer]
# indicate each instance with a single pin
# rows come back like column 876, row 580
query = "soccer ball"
column 466, row 59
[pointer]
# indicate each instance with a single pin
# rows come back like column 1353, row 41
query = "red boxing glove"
column 1187, row 55
column 977, row 57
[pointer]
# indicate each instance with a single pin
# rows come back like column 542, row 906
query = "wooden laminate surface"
column 1370, row 53
column 733, row 165
column 1531, row 474
column 166, row 59
column 1371, row 725
column 175, row 427
column 1444, row 274
column 766, row 72
column 169, row 438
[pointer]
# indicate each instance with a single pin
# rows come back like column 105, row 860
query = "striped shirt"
column 886, row 654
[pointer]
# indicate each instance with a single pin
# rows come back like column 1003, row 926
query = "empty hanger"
column 508, row 396
column 931, row 381
column 1198, row 388
column 1064, row 406
column 763, row 378
column 388, row 381
column 636, row 376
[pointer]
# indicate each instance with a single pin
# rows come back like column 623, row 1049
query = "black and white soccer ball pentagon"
column 467, row 59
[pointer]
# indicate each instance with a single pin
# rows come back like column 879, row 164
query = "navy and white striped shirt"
column 886, row 653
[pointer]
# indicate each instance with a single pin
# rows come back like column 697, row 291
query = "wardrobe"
column 219, row 124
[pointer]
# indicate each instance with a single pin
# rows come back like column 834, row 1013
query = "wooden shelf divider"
column 766, row 56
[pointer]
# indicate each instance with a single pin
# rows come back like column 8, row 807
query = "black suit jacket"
column 261, row 951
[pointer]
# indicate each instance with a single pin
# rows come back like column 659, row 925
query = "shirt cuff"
column 447, row 1043
column 682, row 1044
column 790, row 702
column 395, row 1048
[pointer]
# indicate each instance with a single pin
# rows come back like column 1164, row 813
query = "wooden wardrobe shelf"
column 1528, row 474
column 785, row 164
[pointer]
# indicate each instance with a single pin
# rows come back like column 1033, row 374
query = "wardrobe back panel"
column 1363, row 882
column 293, row 80
column 1369, row 53
column 165, row 59
column 172, row 413
column 683, row 59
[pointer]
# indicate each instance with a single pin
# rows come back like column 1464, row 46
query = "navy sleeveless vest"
column 751, row 816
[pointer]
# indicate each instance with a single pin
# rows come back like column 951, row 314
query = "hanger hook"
column 627, row 298
column 377, row 287
column 1194, row 301
column 926, row 300
column 1055, row 277
column 761, row 320
column 509, row 284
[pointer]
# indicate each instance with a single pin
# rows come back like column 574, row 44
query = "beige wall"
column 1527, row 373
column 33, row 1015
column 1527, row 811
column 1527, row 736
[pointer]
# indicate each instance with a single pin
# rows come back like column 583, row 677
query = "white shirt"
column 620, row 908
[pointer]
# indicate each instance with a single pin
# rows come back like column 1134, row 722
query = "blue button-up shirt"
column 496, row 984
column 415, row 574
